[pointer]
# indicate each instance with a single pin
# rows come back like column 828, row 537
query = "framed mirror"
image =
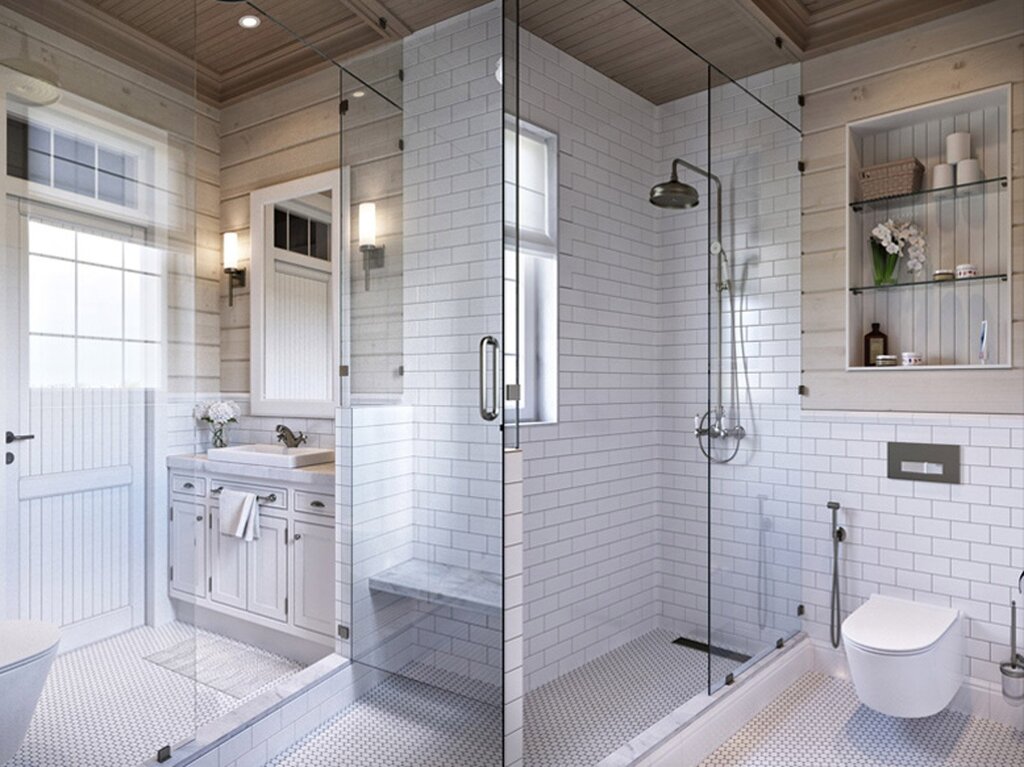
column 297, row 261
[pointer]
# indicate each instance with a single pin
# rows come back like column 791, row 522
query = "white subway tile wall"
column 590, row 484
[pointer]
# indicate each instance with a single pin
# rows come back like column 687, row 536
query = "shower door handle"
column 489, row 413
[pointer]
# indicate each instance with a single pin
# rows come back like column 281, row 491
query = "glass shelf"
column 923, row 195
column 927, row 283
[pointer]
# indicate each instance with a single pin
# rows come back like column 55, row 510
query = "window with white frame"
column 531, row 274
column 94, row 297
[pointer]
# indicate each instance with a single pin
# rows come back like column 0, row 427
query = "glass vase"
column 218, row 435
column 884, row 264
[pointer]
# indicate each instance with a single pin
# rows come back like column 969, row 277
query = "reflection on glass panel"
column 142, row 365
column 99, row 250
column 51, row 295
column 141, row 258
column 142, row 292
column 51, row 362
column 74, row 164
column 99, row 301
column 99, row 364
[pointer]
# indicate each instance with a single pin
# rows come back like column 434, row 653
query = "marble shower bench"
column 442, row 584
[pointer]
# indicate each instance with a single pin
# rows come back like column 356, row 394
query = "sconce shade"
column 230, row 249
column 367, row 224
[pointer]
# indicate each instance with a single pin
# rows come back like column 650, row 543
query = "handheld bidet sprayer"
column 835, row 614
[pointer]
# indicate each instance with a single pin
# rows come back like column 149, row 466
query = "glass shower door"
column 754, row 489
column 422, row 134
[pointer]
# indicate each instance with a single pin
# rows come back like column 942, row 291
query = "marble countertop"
column 442, row 584
column 319, row 476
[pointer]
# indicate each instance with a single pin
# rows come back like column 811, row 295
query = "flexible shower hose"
column 835, row 625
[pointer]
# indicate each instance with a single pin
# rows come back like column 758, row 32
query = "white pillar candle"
column 958, row 147
column 968, row 171
column 942, row 176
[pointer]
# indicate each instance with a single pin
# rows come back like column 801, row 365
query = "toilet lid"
column 23, row 640
column 888, row 624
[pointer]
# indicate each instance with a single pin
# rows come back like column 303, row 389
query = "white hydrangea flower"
column 219, row 412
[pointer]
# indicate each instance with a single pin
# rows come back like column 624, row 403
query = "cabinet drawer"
column 270, row 497
column 188, row 484
column 314, row 503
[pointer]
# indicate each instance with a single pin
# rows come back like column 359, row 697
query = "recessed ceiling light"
column 358, row 94
column 249, row 21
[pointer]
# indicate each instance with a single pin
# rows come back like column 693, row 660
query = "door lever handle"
column 12, row 437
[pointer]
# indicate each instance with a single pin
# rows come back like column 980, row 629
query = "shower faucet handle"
column 833, row 505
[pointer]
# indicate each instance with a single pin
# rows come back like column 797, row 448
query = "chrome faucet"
column 290, row 439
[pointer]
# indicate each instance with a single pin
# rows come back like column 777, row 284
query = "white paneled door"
column 75, row 408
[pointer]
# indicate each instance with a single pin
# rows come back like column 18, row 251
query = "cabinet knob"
column 317, row 504
column 188, row 486
column 199, row 517
column 298, row 536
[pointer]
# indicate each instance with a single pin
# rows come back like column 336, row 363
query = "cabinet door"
column 267, row 593
column 227, row 565
column 188, row 550
column 313, row 577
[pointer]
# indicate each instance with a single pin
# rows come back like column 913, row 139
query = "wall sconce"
column 236, row 276
column 373, row 256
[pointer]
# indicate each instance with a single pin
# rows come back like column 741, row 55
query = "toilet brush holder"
column 1013, row 681
column 1012, row 671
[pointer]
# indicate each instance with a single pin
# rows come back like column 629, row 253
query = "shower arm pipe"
column 709, row 175
column 721, row 284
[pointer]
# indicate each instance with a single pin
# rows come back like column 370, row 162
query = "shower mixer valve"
column 717, row 427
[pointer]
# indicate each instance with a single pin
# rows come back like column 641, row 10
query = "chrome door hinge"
column 343, row 371
column 286, row 605
column 342, row 631
column 172, row 575
column 209, row 584
column 513, row 392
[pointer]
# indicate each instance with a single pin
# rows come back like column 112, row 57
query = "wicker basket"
column 891, row 178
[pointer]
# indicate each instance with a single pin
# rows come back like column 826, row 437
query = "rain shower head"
column 674, row 193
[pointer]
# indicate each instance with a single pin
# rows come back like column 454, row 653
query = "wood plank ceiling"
column 198, row 43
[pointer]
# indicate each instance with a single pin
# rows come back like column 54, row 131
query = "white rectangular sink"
column 272, row 455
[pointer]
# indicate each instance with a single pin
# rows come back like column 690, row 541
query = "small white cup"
column 966, row 270
column 968, row 171
column 910, row 359
column 958, row 147
column 942, row 176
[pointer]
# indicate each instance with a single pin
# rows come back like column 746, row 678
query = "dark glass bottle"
column 876, row 342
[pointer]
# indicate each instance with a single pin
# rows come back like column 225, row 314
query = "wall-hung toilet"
column 906, row 658
column 27, row 650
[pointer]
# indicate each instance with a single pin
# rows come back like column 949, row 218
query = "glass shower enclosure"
column 661, row 549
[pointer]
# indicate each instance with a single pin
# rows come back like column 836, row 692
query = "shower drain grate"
column 721, row 652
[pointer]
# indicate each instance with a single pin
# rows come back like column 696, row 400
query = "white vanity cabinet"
column 285, row 579
column 188, row 549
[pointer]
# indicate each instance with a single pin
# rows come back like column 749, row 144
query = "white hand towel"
column 236, row 512
column 252, row 529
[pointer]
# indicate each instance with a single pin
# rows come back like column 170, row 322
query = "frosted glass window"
column 51, row 295
column 100, row 250
column 49, row 240
column 100, row 301
column 91, row 322
column 100, row 364
column 531, row 274
column 535, row 171
column 51, row 361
